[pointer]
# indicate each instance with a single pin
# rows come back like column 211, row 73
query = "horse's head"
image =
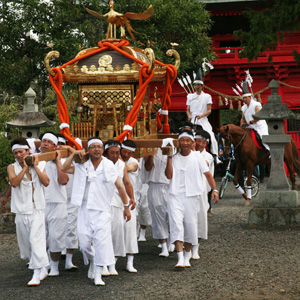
column 225, row 140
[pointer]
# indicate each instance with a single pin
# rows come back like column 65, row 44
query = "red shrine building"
column 229, row 69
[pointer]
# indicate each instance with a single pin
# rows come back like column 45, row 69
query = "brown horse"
column 248, row 155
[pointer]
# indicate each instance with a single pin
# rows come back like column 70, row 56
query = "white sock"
column 249, row 190
column 164, row 247
column 130, row 259
column 239, row 189
column 142, row 232
column 69, row 257
column 180, row 255
column 54, row 264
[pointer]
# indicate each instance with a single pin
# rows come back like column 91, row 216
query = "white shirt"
column 102, row 184
column 210, row 159
column 133, row 176
column 22, row 197
column 198, row 103
column 54, row 192
column 261, row 126
column 116, row 200
column 157, row 173
column 190, row 172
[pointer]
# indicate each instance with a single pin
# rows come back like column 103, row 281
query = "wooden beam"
column 48, row 156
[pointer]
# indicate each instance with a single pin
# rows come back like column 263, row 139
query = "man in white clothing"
column 28, row 203
column 202, row 140
column 127, row 150
column 56, row 203
column 72, row 212
column 198, row 109
column 93, row 189
column 250, row 108
column 158, row 197
column 127, row 232
column 185, row 170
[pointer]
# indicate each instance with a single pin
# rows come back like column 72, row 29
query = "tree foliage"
column 269, row 25
column 29, row 27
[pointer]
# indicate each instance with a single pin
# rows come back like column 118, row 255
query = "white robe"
column 30, row 220
column 158, row 195
column 131, row 243
column 185, row 188
column 198, row 106
column 93, row 191
column 72, row 211
column 55, row 211
column 143, row 212
column 118, row 221
column 261, row 126
column 203, row 200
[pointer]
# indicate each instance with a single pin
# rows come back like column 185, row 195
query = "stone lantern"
column 30, row 119
column 278, row 204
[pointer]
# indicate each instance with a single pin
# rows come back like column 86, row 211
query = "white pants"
column 32, row 238
column 94, row 226
column 118, row 231
column 158, row 205
column 72, row 239
column 131, row 244
column 143, row 211
column 202, row 216
column 56, row 226
column 183, row 218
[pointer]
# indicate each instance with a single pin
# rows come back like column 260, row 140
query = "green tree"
column 27, row 29
column 269, row 25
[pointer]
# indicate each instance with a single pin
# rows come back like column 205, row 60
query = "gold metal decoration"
column 173, row 52
column 105, row 61
column 150, row 54
column 115, row 19
column 47, row 61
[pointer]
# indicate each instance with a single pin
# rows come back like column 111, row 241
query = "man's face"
column 126, row 154
column 96, row 150
column 185, row 143
column 201, row 144
column 113, row 154
column 47, row 145
column 247, row 100
column 20, row 154
column 198, row 87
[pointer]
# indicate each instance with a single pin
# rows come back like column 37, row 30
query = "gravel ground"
column 236, row 263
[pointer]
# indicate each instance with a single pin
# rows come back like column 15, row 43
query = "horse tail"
column 296, row 160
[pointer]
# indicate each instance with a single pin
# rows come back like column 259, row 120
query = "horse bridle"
column 230, row 140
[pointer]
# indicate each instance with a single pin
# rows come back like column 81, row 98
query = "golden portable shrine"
column 113, row 86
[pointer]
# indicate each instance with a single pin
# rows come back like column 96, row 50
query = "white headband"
column 61, row 139
column 111, row 145
column 18, row 146
column 198, row 81
column 201, row 137
column 90, row 142
column 185, row 134
column 128, row 148
column 50, row 137
column 246, row 95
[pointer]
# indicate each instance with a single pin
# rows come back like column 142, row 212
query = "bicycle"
column 228, row 175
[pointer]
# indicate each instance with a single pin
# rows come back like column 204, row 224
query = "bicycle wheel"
column 254, row 187
column 223, row 187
